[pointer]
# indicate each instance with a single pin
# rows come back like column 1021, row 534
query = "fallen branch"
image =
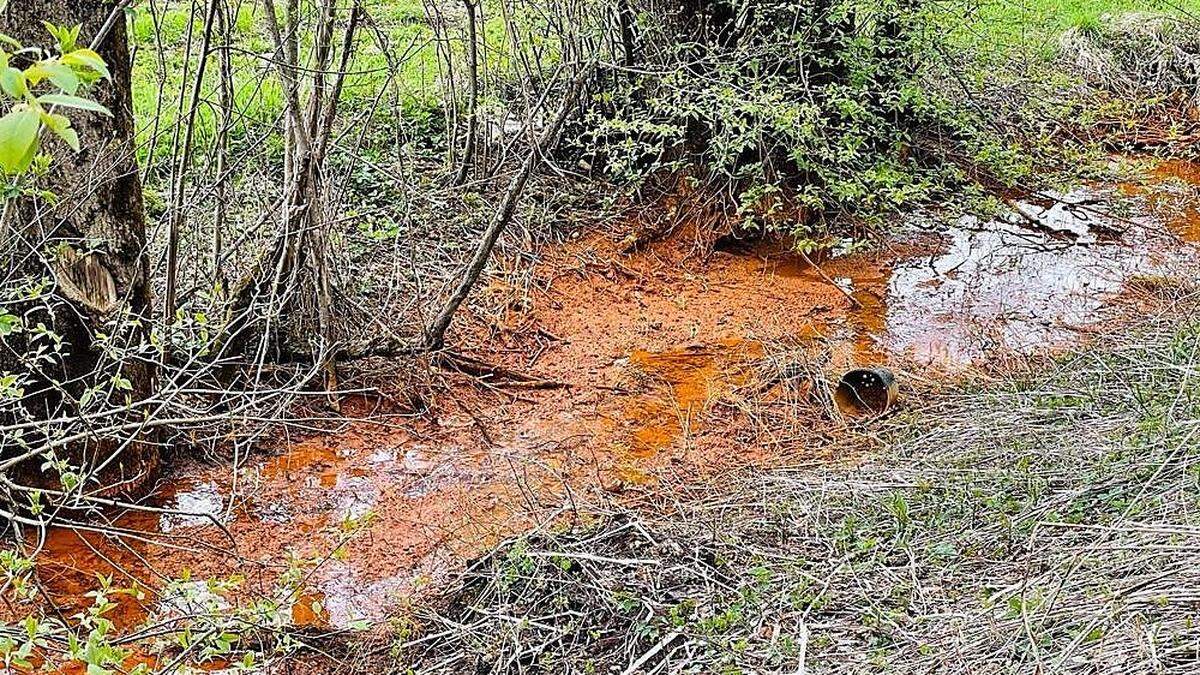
column 854, row 303
column 469, row 365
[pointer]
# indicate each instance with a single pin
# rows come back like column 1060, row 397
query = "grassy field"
column 1010, row 20
column 161, row 41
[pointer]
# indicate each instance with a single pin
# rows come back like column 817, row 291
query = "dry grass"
column 1136, row 55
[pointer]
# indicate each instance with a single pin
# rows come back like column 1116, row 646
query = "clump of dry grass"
column 787, row 397
column 620, row 595
column 1046, row 523
column 1137, row 55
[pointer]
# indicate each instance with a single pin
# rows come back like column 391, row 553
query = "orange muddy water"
column 650, row 349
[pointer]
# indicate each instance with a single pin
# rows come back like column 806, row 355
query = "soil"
column 657, row 359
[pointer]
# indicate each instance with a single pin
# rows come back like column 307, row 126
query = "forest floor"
column 625, row 379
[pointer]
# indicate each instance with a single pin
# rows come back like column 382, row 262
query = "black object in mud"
column 866, row 390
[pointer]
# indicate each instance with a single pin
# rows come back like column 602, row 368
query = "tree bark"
column 90, row 243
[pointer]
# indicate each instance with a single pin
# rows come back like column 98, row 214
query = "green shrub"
column 800, row 107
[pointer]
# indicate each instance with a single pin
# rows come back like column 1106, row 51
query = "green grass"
column 158, row 79
column 162, row 46
column 1006, row 20
column 395, row 73
column 1003, row 25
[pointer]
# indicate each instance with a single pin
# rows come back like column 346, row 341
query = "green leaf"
column 61, row 127
column 12, row 81
column 19, row 139
column 61, row 75
column 9, row 388
column 9, row 323
column 31, row 156
column 73, row 102
column 70, row 137
column 89, row 59
column 69, row 480
column 67, row 37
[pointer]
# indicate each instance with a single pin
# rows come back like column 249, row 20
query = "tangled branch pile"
column 1142, row 76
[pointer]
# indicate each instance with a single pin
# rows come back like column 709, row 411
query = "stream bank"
column 672, row 367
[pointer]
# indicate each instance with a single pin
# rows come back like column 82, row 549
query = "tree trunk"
column 90, row 243
column 285, row 304
column 468, row 159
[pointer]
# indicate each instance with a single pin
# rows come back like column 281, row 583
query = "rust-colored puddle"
column 1173, row 195
column 322, row 487
column 682, row 383
column 71, row 563
column 991, row 287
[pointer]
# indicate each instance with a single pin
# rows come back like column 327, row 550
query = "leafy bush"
column 797, row 107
